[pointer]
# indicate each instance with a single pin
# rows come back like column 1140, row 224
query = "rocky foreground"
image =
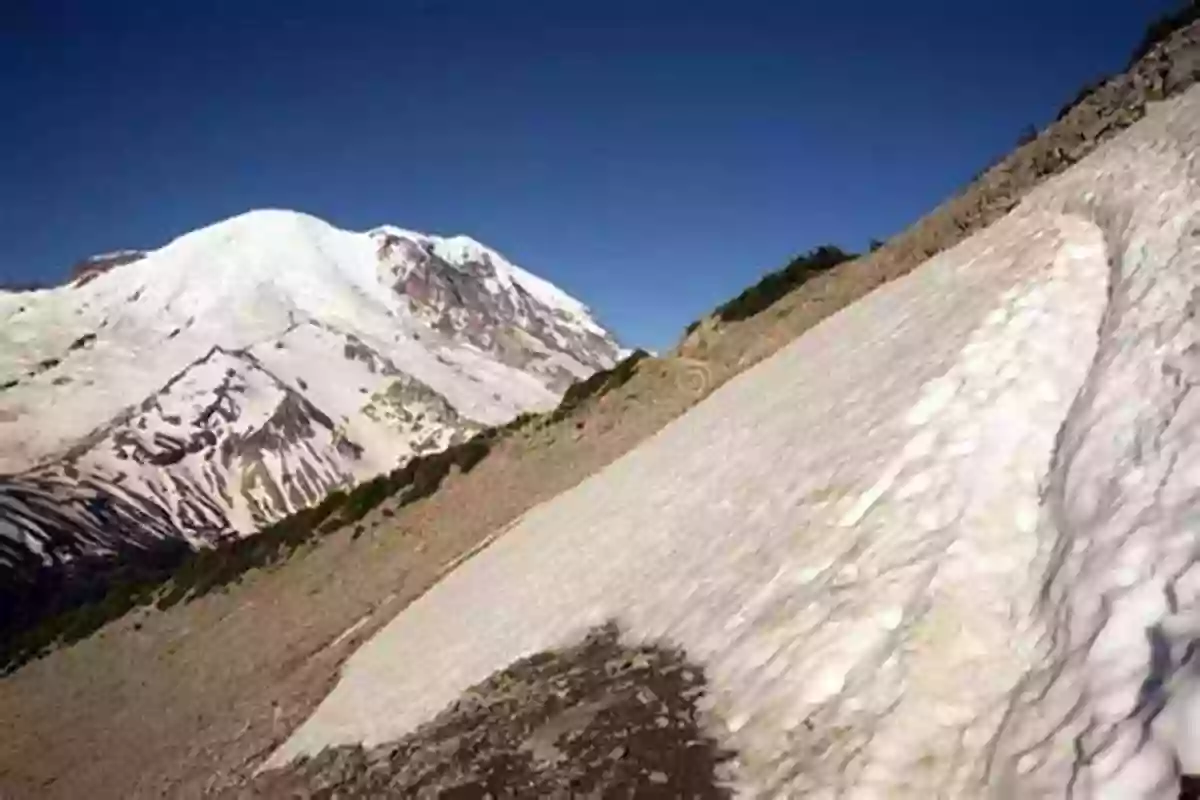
column 598, row 719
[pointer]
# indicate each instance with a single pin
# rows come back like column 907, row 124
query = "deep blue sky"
column 652, row 157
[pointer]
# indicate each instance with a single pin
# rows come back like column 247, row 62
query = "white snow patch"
column 925, row 642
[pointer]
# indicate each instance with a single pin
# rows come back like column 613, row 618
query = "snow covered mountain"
column 246, row 369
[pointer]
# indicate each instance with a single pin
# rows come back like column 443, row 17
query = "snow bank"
column 944, row 544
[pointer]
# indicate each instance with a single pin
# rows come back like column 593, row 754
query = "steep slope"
column 942, row 545
column 244, row 370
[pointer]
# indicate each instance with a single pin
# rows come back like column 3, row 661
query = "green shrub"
column 365, row 497
column 774, row 285
column 522, row 421
column 597, row 385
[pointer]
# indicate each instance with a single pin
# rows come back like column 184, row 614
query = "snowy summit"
column 248, row 368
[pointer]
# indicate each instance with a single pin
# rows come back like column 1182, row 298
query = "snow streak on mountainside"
column 942, row 545
column 246, row 369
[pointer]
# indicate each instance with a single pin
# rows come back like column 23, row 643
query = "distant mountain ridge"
column 245, row 370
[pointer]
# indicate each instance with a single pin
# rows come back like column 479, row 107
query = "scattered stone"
column 555, row 724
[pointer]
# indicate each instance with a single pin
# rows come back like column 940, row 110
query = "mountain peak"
column 245, row 368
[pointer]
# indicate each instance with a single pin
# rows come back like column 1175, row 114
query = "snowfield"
column 943, row 545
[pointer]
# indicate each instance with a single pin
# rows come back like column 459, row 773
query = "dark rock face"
column 600, row 719
column 468, row 303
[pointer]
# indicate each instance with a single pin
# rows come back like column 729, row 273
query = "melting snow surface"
column 943, row 545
